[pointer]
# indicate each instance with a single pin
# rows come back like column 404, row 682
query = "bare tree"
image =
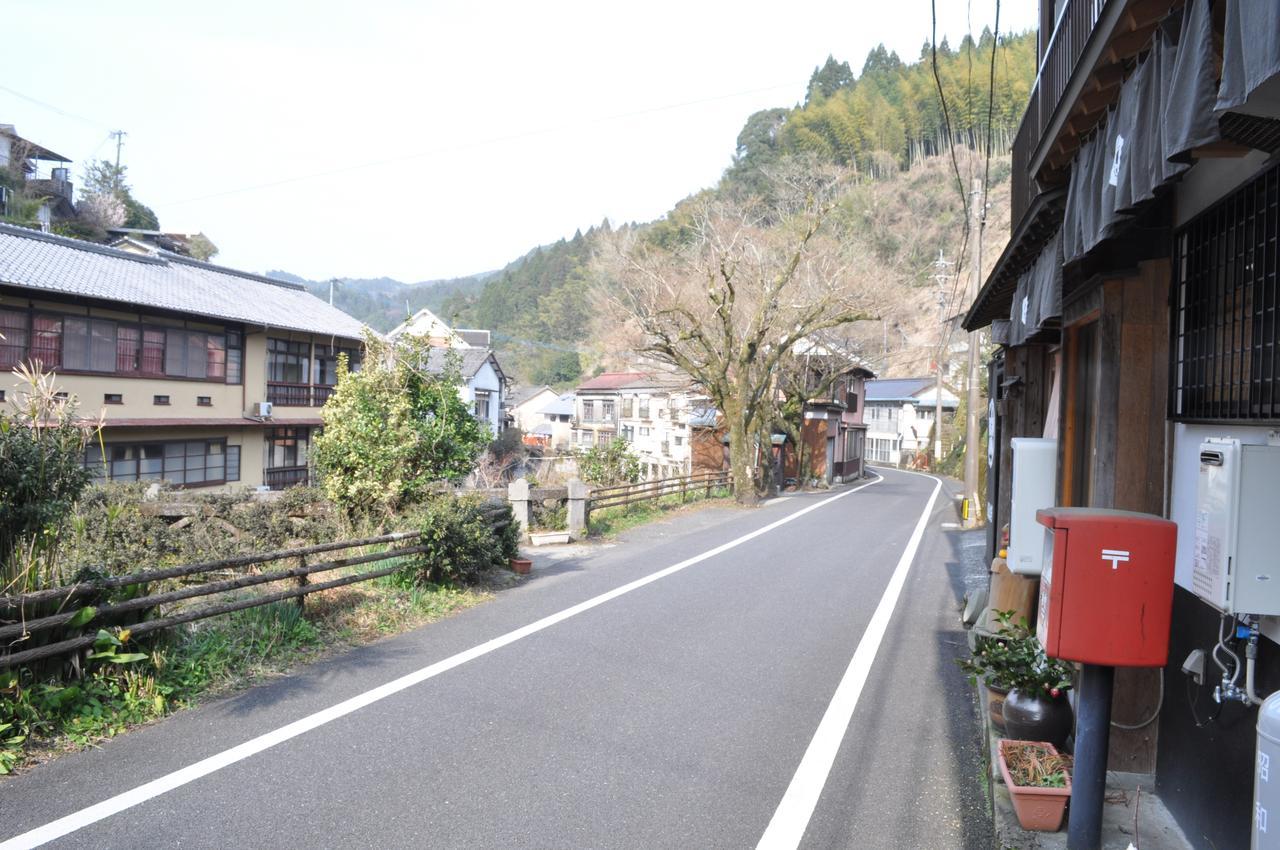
column 814, row 369
column 742, row 284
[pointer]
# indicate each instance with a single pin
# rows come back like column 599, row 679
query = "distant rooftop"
column 906, row 389
column 563, row 406
column 611, row 380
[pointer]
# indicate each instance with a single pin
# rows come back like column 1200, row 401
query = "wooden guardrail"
column 630, row 494
column 69, row 600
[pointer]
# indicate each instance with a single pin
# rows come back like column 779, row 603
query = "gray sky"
column 419, row 139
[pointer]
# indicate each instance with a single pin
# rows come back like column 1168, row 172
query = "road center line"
column 791, row 818
column 136, row 796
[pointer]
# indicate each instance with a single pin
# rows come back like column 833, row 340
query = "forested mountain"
column 383, row 302
column 885, row 124
column 890, row 116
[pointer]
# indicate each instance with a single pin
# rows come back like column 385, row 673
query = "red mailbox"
column 1106, row 595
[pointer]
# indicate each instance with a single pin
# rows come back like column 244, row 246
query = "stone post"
column 578, row 493
column 518, row 496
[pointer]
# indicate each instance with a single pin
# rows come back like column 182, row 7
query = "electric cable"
column 1159, row 705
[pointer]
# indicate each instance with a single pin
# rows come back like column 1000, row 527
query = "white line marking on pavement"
column 127, row 800
column 791, row 819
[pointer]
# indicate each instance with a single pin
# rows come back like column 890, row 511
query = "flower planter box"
column 521, row 566
column 546, row 538
column 1038, row 808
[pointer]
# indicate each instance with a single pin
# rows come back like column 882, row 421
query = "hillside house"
column 900, row 413
column 555, row 430
column 596, row 408
column 483, row 386
column 832, row 429
column 205, row 376
column 524, row 406
column 31, row 166
column 430, row 327
column 1135, row 312
column 653, row 416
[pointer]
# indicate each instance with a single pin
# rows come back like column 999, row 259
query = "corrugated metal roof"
column 52, row 264
column 896, row 389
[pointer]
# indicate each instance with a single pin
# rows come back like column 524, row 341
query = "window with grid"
column 13, row 338
column 186, row 463
column 482, row 404
column 1224, row 357
column 287, row 361
column 287, row 447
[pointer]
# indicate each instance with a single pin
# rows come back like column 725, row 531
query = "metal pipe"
column 1089, row 779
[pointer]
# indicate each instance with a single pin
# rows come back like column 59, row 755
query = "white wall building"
column 653, row 416
column 899, row 417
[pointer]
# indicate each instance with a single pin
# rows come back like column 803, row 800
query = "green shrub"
column 550, row 519
column 394, row 429
column 460, row 539
column 113, row 531
column 42, row 444
column 611, row 464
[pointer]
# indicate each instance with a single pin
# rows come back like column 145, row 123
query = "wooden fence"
column 683, row 486
column 69, row 600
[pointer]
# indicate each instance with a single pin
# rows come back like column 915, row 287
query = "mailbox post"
column 1106, row 599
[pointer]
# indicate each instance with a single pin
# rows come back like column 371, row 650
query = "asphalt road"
column 674, row 713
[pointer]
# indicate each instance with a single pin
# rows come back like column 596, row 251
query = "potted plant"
column 1039, row 781
column 1035, row 707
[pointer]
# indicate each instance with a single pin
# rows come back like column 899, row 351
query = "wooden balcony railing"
column 297, row 395
column 286, row 476
column 1067, row 44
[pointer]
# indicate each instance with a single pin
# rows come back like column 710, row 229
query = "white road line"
column 791, row 818
column 136, row 796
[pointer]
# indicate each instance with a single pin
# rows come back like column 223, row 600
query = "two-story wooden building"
column 205, row 376
column 1136, row 311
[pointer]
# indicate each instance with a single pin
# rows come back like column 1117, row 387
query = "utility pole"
column 941, row 276
column 977, row 218
column 119, row 135
column 332, row 281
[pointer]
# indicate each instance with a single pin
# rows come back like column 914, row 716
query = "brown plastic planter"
column 521, row 565
column 1039, row 809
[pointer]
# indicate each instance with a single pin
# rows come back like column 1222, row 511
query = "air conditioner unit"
column 1035, row 469
column 262, row 409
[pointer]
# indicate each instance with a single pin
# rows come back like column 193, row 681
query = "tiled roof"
column 611, row 380
column 44, row 263
column 470, row 360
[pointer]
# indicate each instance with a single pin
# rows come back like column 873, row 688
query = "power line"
column 946, row 114
column 65, row 114
column 470, row 145
column 991, row 109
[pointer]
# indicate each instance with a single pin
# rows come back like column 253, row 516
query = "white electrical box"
column 1235, row 562
column 1035, row 471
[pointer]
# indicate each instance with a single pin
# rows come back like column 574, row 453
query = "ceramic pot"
column 521, row 565
column 995, row 704
column 1037, row 717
